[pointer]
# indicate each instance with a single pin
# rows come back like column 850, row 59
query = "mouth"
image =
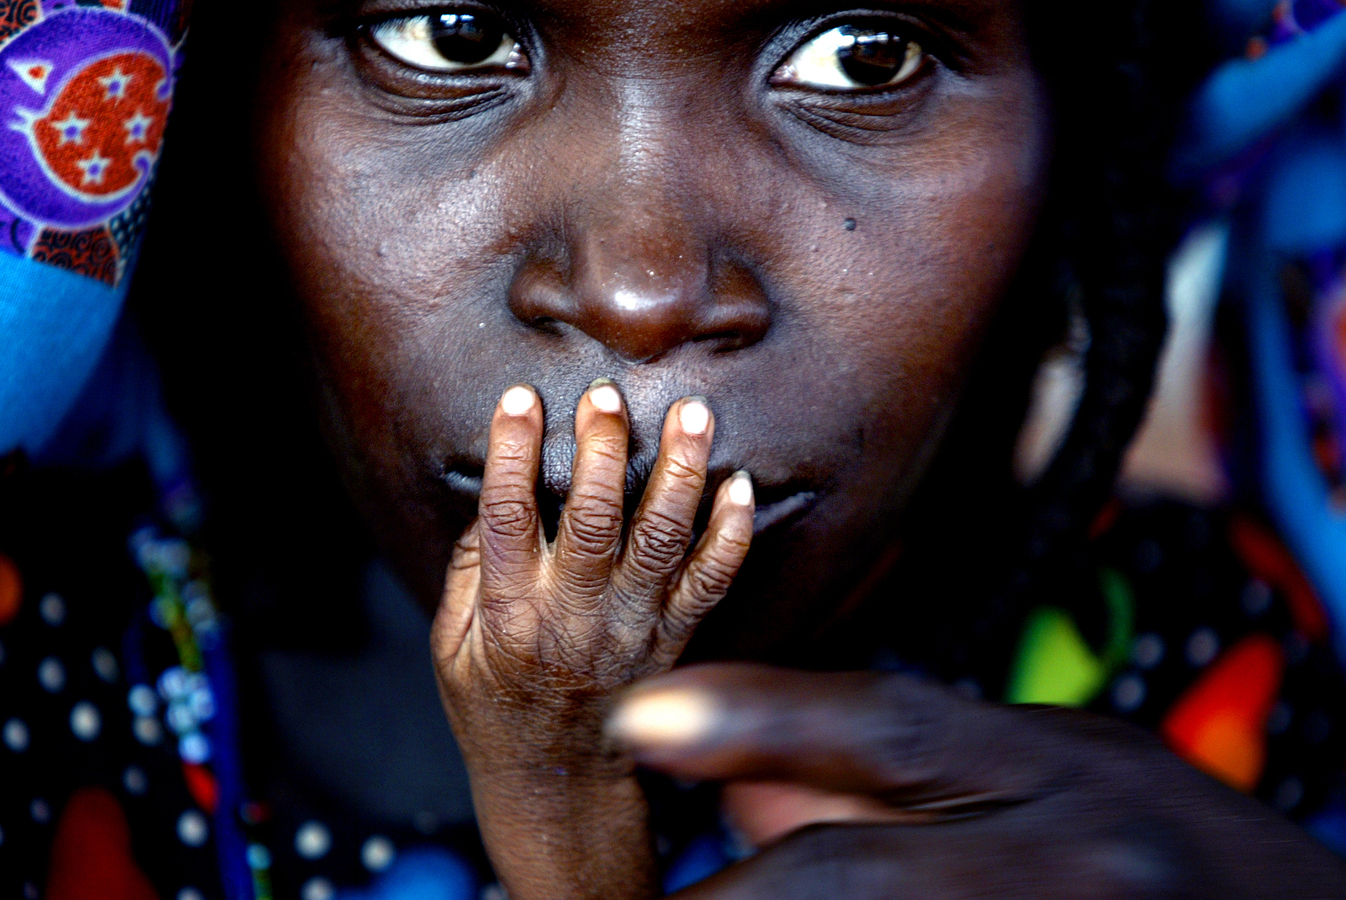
column 777, row 504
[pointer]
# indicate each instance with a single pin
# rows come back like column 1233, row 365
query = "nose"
column 640, row 276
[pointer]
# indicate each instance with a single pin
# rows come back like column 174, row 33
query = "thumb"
column 909, row 742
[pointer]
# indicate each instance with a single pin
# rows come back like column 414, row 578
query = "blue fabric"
column 422, row 873
column 54, row 326
column 1247, row 100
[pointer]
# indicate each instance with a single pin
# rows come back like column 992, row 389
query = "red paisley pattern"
column 90, row 253
column 15, row 15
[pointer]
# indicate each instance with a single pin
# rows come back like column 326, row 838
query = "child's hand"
column 531, row 639
column 933, row 796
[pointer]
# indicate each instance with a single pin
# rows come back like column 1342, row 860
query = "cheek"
column 386, row 259
column 905, row 298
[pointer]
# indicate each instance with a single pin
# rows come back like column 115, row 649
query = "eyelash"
column 930, row 48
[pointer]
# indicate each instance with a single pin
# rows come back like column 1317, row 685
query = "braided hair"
column 1117, row 75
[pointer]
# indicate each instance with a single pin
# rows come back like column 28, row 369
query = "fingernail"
column 740, row 489
column 605, row 397
column 675, row 717
column 694, row 417
column 518, row 400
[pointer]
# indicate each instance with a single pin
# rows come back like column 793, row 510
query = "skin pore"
column 647, row 198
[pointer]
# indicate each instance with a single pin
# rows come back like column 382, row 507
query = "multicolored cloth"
column 85, row 92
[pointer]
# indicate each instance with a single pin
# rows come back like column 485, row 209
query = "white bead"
column 147, row 730
column 16, row 735
column 134, row 780
column 142, row 700
column 312, row 840
column 317, row 889
column 51, row 674
column 85, row 721
column 105, row 664
column 377, row 853
column 52, row 608
column 192, row 828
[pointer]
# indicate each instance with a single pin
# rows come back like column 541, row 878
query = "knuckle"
column 508, row 517
column 710, row 578
column 593, row 527
column 911, row 732
column 684, row 471
column 660, row 538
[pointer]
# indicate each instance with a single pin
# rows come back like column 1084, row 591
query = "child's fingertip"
column 740, row 489
column 518, row 400
column 604, row 396
column 694, row 416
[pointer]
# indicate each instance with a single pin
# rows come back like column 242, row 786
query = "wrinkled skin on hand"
column 887, row 786
column 532, row 637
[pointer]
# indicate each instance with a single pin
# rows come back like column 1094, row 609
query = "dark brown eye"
column 851, row 56
column 465, row 38
column 450, row 42
column 873, row 57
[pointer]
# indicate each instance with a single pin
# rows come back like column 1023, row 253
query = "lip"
column 776, row 504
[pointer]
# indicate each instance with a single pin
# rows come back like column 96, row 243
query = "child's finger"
column 662, row 526
column 509, row 534
column 591, row 521
column 457, row 606
column 712, row 566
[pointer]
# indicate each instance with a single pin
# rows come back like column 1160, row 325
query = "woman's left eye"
column 851, row 57
column 450, row 42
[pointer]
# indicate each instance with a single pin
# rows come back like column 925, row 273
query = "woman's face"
column 805, row 212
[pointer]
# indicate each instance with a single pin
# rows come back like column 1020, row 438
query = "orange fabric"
column 91, row 852
column 1266, row 558
column 1219, row 725
column 11, row 590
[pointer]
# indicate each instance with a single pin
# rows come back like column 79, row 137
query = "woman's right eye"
column 460, row 42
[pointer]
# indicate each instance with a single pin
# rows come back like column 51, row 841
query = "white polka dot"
column 85, row 721
column 259, row 857
column 312, row 840
column 2, row 654
column 142, row 700
column 39, row 810
column 29, row 891
column 192, row 828
column 147, row 730
column 134, row 780
column 51, row 674
column 494, row 892
column 194, row 748
column 317, row 889
column 2, row 837
column 190, row 893
column 52, row 608
column 105, row 664
column 1202, row 647
column 1128, row 693
column 1148, row 651
column 377, row 853
column 16, row 735
column 173, row 683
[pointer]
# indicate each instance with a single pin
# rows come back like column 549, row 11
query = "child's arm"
column 532, row 639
